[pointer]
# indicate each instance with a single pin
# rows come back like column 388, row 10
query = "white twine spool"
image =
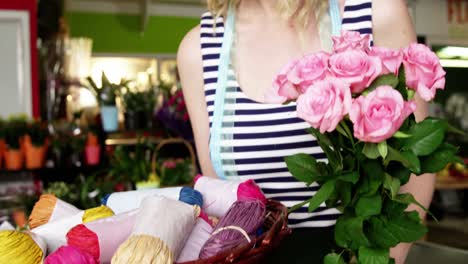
column 218, row 195
column 198, row 237
column 112, row 232
column 62, row 210
column 121, row 202
column 54, row 233
column 167, row 219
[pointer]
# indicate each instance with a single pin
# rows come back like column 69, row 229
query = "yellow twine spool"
column 19, row 248
column 96, row 213
column 42, row 210
column 143, row 249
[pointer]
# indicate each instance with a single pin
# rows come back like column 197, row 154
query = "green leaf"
column 407, row 198
column 371, row 151
column 322, row 195
column 392, row 184
column 352, row 177
column 334, row 157
column 344, row 192
column 400, row 134
column 393, row 209
column 398, row 171
column 333, row 258
column 374, row 178
column 405, row 228
column 303, row 167
column 373, row 255
column 383, row 149
column 437, row 161
column 380, row 235
column 299, row 205
column 401, row 87
column 388, row 79
column 369, row 206
column 349, row 232
column 426, row 136
column 413, row 162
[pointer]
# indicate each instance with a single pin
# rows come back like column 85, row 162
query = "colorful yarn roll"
column 54, row 233
column 101, row 238
column 96, row 213
column 6, row 226
column 48, row 209
column 198, row 237
column 69, row 255
column 162, row 226
column 237, row 227
column 20, row 247
column 121, row 202
column 219, row 195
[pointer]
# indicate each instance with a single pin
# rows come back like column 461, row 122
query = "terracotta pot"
column 35, row 156
column 13, row 159
column 24, row 141
column 93, row 155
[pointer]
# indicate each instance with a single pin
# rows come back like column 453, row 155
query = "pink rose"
column 282, row 89
column 324, row 104
column 378, row 115
column 391, row 59
column 351, row 40
column 311, row 68
column 356, row 68
column 423, row 71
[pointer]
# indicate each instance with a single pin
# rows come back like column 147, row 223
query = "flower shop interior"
column 91, row 104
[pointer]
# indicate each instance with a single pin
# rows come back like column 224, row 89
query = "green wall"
column 119, row 33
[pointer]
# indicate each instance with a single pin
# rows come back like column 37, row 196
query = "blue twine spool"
column 191, row 196
column 105, row 198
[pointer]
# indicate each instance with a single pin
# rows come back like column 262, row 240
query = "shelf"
column 452, row 184
column 132, row 138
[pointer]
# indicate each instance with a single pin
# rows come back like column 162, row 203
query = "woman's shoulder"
column 189, row 48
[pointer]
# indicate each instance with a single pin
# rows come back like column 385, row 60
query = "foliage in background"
column 139, row 101
column 107, row 94
column 38, row 133
column 131, row 165
column 175, row 171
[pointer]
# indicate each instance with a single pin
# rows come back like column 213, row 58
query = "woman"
column 261, row 37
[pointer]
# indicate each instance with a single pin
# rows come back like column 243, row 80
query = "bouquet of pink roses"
column 360, row 104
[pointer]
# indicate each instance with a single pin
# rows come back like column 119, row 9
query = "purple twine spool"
column 237, row 227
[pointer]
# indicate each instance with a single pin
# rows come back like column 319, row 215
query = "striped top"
column 256, row 137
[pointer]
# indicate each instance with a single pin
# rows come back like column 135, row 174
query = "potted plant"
column 106, row 96
column 35, row 144
column 2, row 141
column 20, row 122
column 139, row 108
column 13, row 154
column 92, row 148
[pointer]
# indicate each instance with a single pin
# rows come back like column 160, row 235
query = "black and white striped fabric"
column 257, row 136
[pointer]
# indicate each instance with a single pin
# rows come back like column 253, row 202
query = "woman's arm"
column 393, row 28
column 190, row 66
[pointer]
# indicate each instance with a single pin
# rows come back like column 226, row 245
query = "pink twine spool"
column 84, row 239
column 69, row 255
column 219, row 195
column 198, row 237
column 236, row 228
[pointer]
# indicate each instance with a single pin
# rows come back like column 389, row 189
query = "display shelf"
column 452, row 184
column 132, row 138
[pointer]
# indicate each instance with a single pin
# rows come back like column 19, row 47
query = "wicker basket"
column 276, row 228
column 170, row 141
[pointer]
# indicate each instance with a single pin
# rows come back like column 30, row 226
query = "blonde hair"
column 297, row 11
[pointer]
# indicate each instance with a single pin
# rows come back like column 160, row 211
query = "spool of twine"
column 19, row 248
column 237, row 227
column 121, row 202
column 219, row 195
column 198, row 237
column 48, row 209
column 162, row 226
column 102, row 237
column 96, row 213
column 54, row 233
column 69, row 255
